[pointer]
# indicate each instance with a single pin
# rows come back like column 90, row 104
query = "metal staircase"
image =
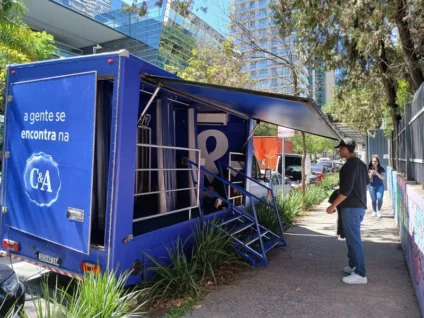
column 250, row 239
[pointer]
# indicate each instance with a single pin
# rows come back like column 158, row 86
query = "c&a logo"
column 42, row 179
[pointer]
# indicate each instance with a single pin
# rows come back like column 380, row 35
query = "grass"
column 212, row 248
column 288, row 209
column 179, row 311
column 180, row 278
column 103, row 296
column 291, row 207
column 98, row 295
column 330, row 182
column 184, row 276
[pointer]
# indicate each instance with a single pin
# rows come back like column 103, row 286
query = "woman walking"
column 376, row 174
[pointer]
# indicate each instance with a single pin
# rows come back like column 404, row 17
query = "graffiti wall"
column 408, row 206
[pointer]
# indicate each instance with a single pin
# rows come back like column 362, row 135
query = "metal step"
column 232, row 218
column 254, row 237
column 269, row 245
column 247, row 234
column 239, row 228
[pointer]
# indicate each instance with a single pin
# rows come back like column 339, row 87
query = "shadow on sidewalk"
column 304, row 280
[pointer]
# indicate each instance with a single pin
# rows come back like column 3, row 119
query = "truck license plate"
column 49, row 259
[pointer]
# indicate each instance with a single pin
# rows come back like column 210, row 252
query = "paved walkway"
column 305, row 280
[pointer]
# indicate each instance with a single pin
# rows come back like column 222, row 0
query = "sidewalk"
column 304, row 280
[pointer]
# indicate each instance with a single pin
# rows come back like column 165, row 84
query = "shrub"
column 97, row 295
column 330, row 182
column 212, row 247
column 103, row 296
column 289, row 209
column 314, row 195
column 180, row 278
column 184, row 276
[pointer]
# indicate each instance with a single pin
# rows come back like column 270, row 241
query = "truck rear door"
column 49, row 145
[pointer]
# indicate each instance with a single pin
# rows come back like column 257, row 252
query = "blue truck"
column 107, row 158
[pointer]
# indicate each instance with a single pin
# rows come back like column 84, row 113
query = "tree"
column 288, row 55
column 361, row 105
column 313, row 144
column 359, row 38
column 265, row 129
column 184, row 7
column 18, row 43
column 220, row 66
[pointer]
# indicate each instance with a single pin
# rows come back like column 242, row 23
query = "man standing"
column 353, row 202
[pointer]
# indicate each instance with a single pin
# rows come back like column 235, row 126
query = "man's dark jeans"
column 352, row 218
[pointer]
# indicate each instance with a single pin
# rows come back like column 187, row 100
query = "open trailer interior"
column 107, row 157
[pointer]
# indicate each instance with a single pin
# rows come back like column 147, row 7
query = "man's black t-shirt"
column 353, row 183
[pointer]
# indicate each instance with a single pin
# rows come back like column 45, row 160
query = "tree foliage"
column 220, row 66
column 18, row 43
column 183, row 7
column 314, row 144
column 370, row 41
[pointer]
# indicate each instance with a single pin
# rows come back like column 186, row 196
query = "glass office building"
column 155, row 30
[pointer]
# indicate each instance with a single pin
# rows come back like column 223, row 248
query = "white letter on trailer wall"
column 219, row 151
column 31, row 178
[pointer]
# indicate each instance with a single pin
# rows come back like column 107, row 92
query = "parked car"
column 329, row 166
column 277, row 182
column 319, row 172
column 12, row 291
column 293, row 167
column 339, row 165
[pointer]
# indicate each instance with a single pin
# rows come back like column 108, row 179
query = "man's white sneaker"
column 374, row 214
column 349, row 270
column 354, row 279
column 378, row 214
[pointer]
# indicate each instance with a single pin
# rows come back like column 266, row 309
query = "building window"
column 264, row 73
column 252, row 4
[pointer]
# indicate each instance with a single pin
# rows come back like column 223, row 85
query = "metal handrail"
column 247, row 177
column 162, row 214
column 271, row 189
column 250, row 195
column 228, row 192
column 166, row 169
column 191, row 170
column 163, row 191
column 168, row 147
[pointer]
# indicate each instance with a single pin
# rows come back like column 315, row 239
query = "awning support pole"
column 148, row 104
column 251, row 134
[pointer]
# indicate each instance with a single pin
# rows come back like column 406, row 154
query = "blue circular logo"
column 42, row 179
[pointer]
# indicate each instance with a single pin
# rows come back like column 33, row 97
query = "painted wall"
column 408, row 208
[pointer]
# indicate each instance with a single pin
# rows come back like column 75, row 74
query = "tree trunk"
column 303, row 169
column 409, row 54
column 388, row 82
column 389, row 87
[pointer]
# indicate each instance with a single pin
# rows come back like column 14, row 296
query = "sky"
column 216, row 16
